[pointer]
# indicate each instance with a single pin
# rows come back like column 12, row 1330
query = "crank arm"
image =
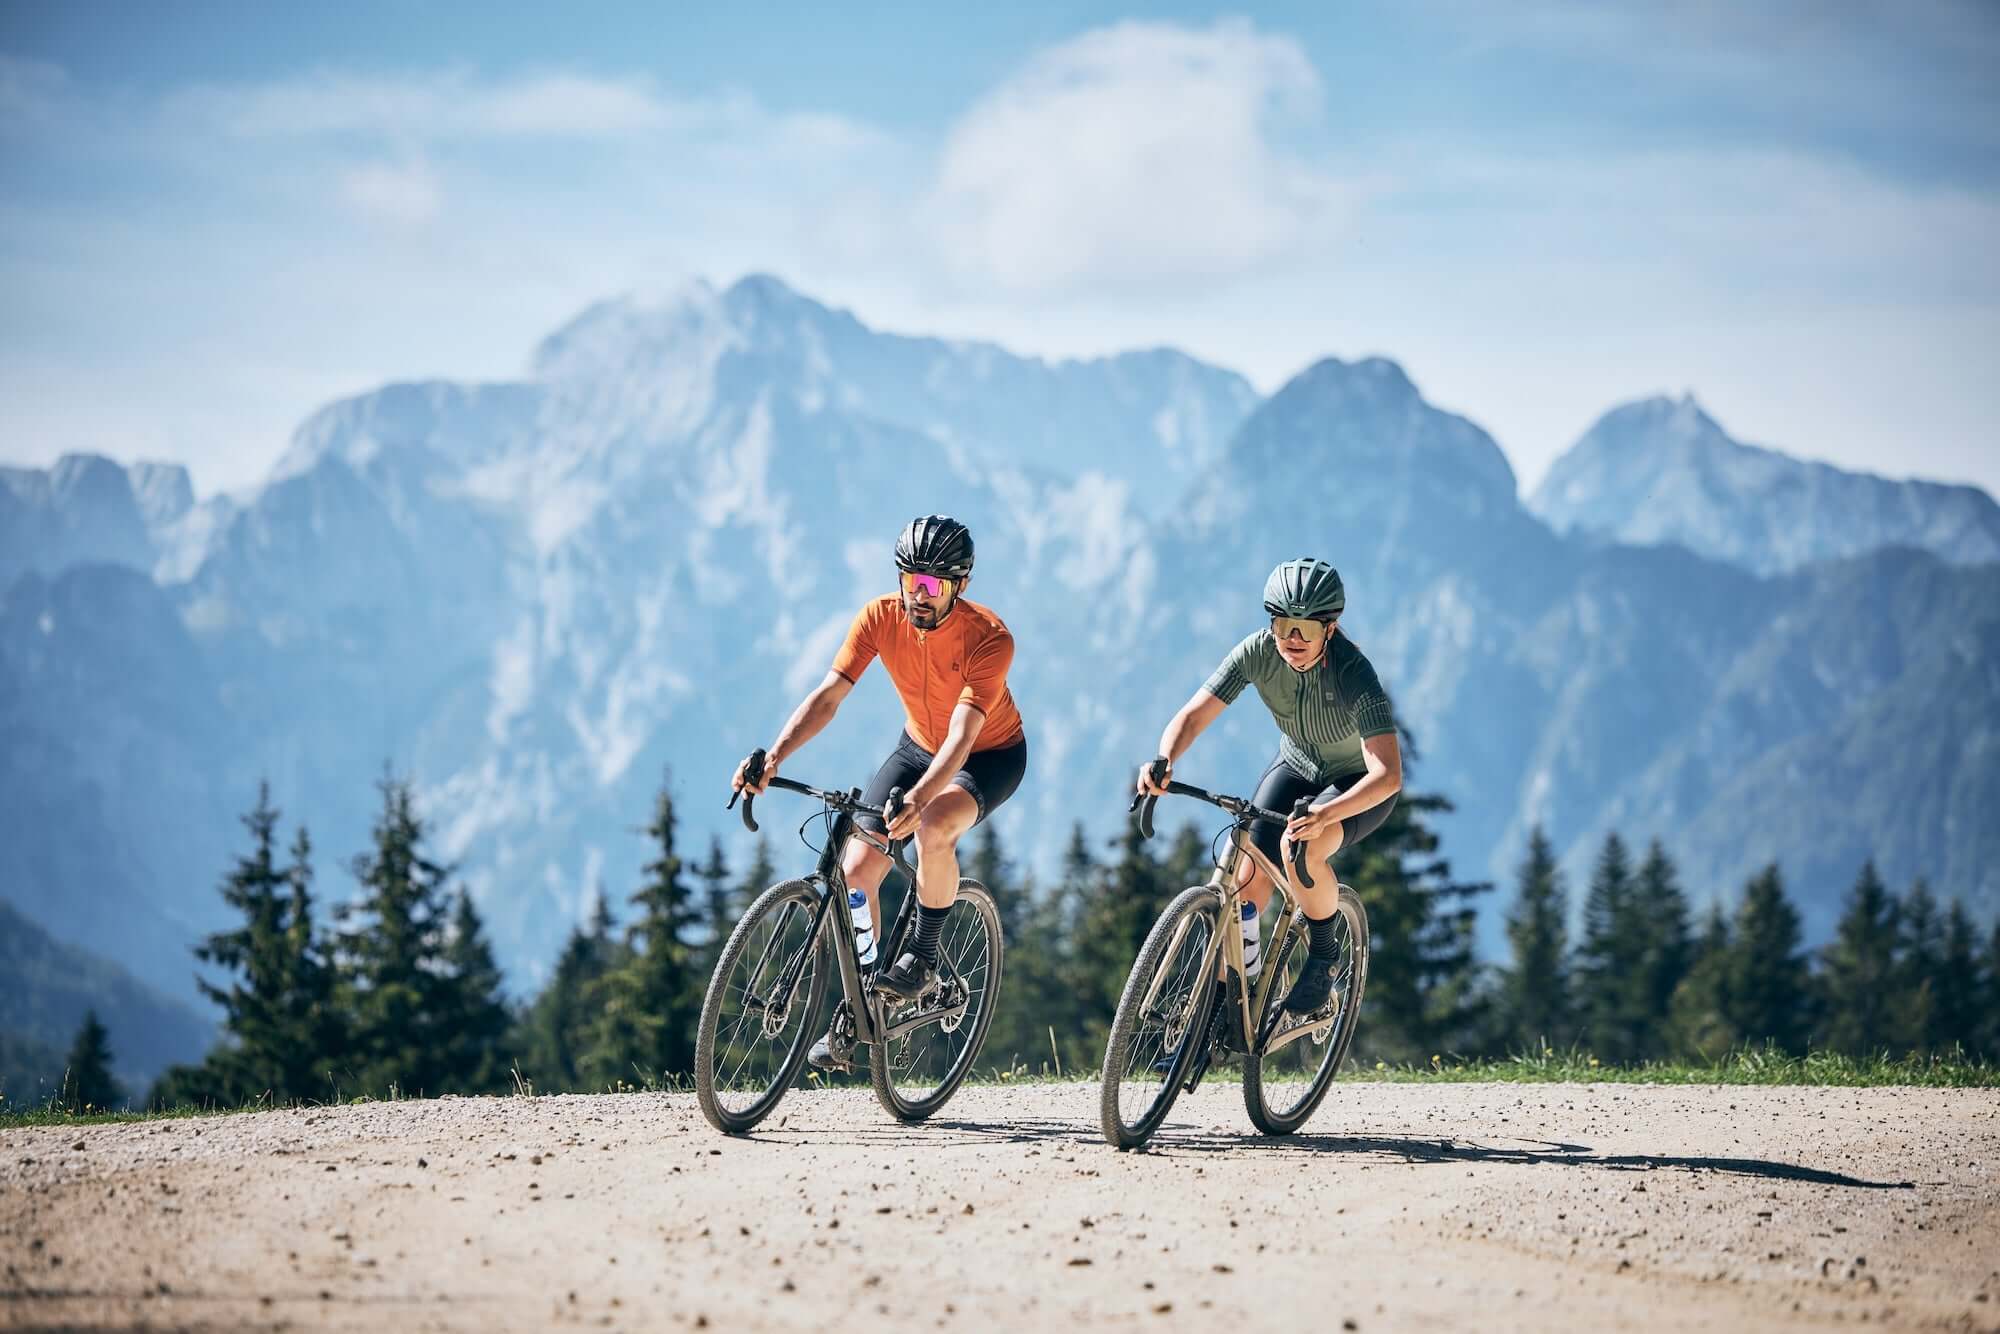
column 915, row 1022
column 1286, row 1035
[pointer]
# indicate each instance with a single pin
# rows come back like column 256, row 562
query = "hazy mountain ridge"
column 87, row 509
column 1662, row 470
column 46, row 986
column 537, row 597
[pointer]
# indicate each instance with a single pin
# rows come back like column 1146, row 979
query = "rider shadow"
column 1174, row 1140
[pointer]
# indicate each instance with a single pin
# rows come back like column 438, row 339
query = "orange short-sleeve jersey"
column 965, row 660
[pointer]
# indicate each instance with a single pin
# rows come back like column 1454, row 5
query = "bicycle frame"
column 829, row 878
column 1225, row 951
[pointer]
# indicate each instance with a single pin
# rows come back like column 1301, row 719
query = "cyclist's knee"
column 944, row 821
column 863, row 863
column 935, row 836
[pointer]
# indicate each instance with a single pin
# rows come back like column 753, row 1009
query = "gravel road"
column 1404, row 1206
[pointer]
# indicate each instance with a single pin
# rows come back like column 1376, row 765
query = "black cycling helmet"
column 935, row 544
column 1307, row 588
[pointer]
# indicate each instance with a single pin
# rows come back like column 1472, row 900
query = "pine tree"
column 87, row 1082
column 1071, row 1002
column 760, row 875
column 554, row 1033
column 1188, row 860
column 1859, row 978
column 282, row 1027
column 1989, row 1029
column 721, row 906
column 645, row 1026
column 393, row 956
column 1118, row 909
column 1610, row 958
column 1535, row 993
column 246, row 1066
column 1956, row 1016
column 1913, row 994
column 1423, row 996
column 1698, row 1024
column 991, row 867
column 313, row 1021
column 1660, row 914
column 1021, row 996
column 1765, row 987
column 476, row 1021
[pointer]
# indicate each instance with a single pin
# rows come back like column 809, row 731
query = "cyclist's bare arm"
column 815, row 711
column 966, row 721
column 1192, row 720
column 1384, row 779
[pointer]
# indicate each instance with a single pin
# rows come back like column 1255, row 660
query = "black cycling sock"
column 924, row 943
column 1324, row 940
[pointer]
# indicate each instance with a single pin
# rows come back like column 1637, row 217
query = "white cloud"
column 405, row 193
column 1132, row 154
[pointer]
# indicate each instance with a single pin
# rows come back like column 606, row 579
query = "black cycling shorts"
column 1281, row 786
column 991, row 776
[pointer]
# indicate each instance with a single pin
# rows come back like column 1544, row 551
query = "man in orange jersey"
column 962, row 752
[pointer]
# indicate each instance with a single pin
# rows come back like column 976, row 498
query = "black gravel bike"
column 767, row 998
column 1186, row 995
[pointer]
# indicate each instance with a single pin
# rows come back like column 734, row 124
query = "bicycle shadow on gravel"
column 1174, row 1142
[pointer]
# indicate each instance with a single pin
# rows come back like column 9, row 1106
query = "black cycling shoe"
column 833, row 1052
column 908, row 978
column 1313, row 989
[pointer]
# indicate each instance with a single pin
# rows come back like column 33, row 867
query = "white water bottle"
column 1252, row 963
column 864, row 926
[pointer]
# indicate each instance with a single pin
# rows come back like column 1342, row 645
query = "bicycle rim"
column 1162, row 1024
column 752, row 1039
column 1283, row 1087
column 915, row 1074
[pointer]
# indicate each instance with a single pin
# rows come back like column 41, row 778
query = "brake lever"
column 1299, row 808
column 892, row 806
column 753, row 770
column 1144, row 802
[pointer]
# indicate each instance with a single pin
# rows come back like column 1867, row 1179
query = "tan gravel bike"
column 1186, row 996
column 768, row 994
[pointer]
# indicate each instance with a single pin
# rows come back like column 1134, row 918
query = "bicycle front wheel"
column 916, row 1073
column 1284, row 1084
column 762, row 1009
column 1162, row 1025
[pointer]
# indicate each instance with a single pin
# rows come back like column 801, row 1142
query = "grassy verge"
column 1745, row 1066
column 1742, row 1066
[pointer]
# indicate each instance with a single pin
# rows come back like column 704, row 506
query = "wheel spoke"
column 1163, row 1027
column 929, row 1060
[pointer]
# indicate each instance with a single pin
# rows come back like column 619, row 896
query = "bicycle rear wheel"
column 762, row 1009
column 1162, row 1024
column 917, row 1073
column 1284, row 1086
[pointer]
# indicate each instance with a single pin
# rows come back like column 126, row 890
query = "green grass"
column 1743, row 1066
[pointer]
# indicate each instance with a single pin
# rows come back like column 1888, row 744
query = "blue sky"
column 214, row 220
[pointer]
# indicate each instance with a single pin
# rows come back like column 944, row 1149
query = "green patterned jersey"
column 1322, row 713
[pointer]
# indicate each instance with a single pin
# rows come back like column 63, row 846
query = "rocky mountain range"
column 1661, row 470
column 540, row 598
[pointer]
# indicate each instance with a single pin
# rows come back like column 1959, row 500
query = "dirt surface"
column 1403, row 1206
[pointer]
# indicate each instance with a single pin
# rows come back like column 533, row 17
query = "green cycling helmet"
column 1306, row 588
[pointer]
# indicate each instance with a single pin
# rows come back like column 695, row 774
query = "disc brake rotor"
column 952, row 997
column 774, row 1019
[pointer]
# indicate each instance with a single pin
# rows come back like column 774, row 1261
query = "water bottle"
column 864, row 926
column 1251, row 962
